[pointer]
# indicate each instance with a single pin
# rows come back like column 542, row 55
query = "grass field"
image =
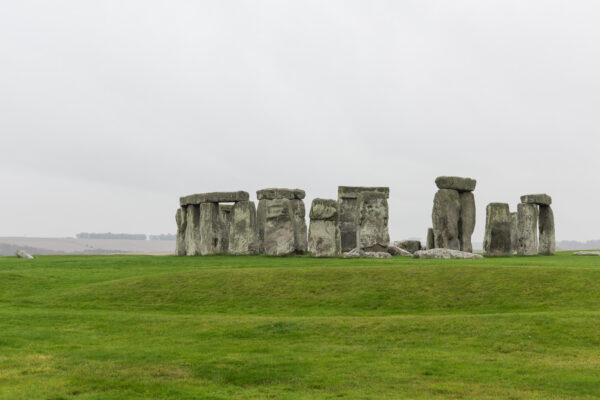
column 143, row 327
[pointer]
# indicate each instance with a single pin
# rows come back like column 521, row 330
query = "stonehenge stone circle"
column 324, row 232
column 497, row 230
column 527, row 219
column 281, row 222
column 445, row 217
column 243, row 237
column 180, row 219
column 453, row 214
column 546, row 222
column 372, row 234
column 349, row 212
column 430, row 242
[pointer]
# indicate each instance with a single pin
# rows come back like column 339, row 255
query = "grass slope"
column 141, row 327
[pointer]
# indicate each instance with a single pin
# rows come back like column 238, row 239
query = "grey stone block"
column 445, row 254
column 352, row 192
column 514, row 231
column 300, row 230
column 214, row 197
column 445, row 217
column 211, row 230
column 539, row 199
column 192, row 230
column 527, row 230
column 324, row 210
column 280, row 193
column 279, row 233
column 409, row 245
column 430, row 242
column 547, row 240
column 324, row 238
column 496, row 242
column 180, row 219
column 372, row 234
column 466, row 221
column 243, row 235
column 456, row 183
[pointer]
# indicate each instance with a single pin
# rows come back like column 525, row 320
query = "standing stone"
column 466, row 221
column 349, row 212
column 279, row 235
column 497, row 230
column 430, row 244
column 445, row 217
column 243, row 237
column 224, row 221
column 547, row 240
column 514, row 224
column 180, row 219
column 324, row 233
column 372, row 234
column 261, row 220
column 211, row 225
column 527, row 240
column 192, row 230
column 300, row 231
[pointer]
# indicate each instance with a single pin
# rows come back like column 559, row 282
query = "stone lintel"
column 214, row 197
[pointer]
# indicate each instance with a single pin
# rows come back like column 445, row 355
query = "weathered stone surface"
column 324, row 233
column 527, row 230
column 497, row 230
column 409, row 245
column 214, row 197
column 456, row 183
column 373, row 234
column 514, row 229
column 445, row 216
column 243, row 235
column 398, row 251
column 180, row 219
column 224, row 221
column 547, row 241
column 587, row 253
column 430, row 243
column 354, row 253
column 192, row 230
column 211, row 229
column 300, row 230
column 445, row 253
column 324, row 210
column 279, row 236
column 352, row 192
column 540, row 199
column 280, row 193
column 261, row 220
column 24, row 254
column 376, row 254
column 324, row 238
column 466, row 221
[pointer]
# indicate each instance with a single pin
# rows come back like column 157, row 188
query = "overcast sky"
column 110, row 110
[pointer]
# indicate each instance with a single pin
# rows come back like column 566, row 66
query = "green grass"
column 143, row 327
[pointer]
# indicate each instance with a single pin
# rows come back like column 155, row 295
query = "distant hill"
column 39, row 246
column 575, row 245
column 109, row 235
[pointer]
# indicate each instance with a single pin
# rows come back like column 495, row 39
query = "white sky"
column 110, row 110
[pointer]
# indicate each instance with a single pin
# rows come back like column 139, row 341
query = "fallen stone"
column 496, row 242
column 456, row 183
column 280, row 193
column 430, row 243
column 445, row 216
column 409, row 245
column 243, row 236
column 279, row 236
column 527, row 229
column 180, row 219
column 372, row 234
column 192, row 230
column 24, row 254
column 547, row 244
column 398, row 251
column 354, row 253
column 587, row 253
column 445, row 253
column 376, row 254
column 466, row 221
column 539, row 199
column 214, row 197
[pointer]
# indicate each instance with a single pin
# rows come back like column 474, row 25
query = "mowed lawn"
column 144, row 327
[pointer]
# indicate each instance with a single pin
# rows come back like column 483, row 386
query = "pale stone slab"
column 324, row 238
column 445, row 216
column 243, row 235
column 527, row 229
column 445, row 254
column 352, row 192
column 214, row 197
column 280, row 193
column 279, row 233
column 192, row 230
column 24, row 254
column 546, row 222
column 376, row 254
column 456, row 183
column 587, row 253
column 540, row 199
column 496, row 242
column 398, row 251
column 180, row 219
column 373, row 234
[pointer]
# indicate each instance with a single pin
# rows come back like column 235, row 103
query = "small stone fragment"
column 376, row 254
column 24, row 254
column 354, row 253
column 587, row 253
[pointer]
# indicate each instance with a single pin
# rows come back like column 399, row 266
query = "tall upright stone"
column 497, row 230
column 180, row 219
column 514, row 229
column 243, row 236
column 349, row 212
column 211, row 229
column 527, row 230
column 224, row 221
column 546, row 221
column 192, row 230
column 300, row 230
column 430, row 242
column 466, row 221
column 445, row 217
column 324, row 233
column 372, row 234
